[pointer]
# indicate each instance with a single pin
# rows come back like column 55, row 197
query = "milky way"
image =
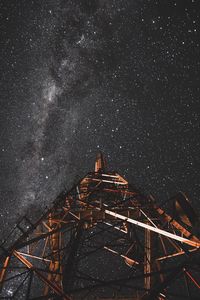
column 82, row 76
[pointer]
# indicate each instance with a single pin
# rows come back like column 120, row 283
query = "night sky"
column 81, row 76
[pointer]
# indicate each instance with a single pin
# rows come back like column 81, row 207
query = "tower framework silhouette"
column 104, row 239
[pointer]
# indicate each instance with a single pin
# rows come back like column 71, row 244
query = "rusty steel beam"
column 100, row 214
column 51, row 284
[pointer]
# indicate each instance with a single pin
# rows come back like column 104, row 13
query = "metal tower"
column 104, row 239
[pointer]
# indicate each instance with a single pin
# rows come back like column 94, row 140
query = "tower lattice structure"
column 104, row 239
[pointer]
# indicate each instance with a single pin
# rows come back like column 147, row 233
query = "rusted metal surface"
column 101, row 218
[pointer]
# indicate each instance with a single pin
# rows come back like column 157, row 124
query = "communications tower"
column 104, row 239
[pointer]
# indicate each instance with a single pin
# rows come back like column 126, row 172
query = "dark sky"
column 86, row 75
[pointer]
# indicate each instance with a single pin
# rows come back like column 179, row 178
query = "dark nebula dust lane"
column 88, row 75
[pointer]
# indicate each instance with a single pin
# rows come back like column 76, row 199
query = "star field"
column 82, row 76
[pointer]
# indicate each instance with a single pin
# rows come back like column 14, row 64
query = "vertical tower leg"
column 3, row 271
column 147, row 260
column 55, row 267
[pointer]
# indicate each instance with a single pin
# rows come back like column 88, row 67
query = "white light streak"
column 157, row 230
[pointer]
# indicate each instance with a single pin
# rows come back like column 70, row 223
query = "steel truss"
column 102, row 239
